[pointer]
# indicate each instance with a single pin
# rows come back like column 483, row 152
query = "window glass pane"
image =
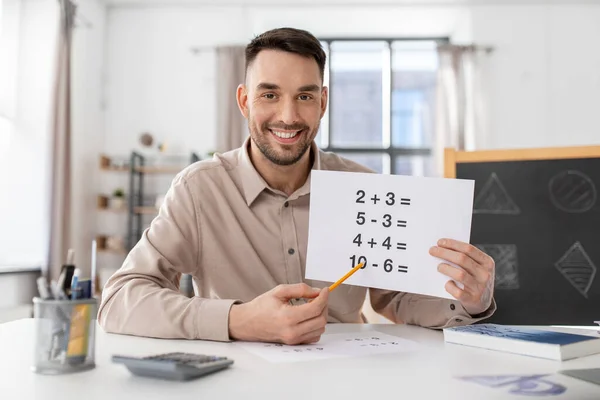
column 414, row 67
column 377, row 162
column 9, row 54
column 356, row 93
column 415, row 166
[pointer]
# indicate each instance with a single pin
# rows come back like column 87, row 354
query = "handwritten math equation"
column 392, row 237
column 373, row 342
column 287, row 349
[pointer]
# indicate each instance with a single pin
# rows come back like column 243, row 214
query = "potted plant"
column 118, row 199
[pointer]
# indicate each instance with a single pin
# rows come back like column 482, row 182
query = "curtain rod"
column 206, row 48
column 201, row 49
column 488, row 49
column 472, row 47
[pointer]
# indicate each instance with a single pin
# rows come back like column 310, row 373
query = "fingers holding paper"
column 476, row 273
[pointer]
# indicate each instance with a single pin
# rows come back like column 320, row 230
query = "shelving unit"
column 145, row 210
column 139, row 167
column 157, row 170
column 113, row 251
column 116, row 169
column 106, row 164
column 112, row 210
column 138, row 170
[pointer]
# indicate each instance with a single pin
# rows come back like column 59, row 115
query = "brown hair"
column 291, row 40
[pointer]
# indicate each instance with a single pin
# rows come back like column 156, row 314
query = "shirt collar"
column 253, row 184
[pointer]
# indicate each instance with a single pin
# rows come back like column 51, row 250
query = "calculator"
column 173, row 366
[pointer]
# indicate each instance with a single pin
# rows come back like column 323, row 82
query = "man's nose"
column 288, row 112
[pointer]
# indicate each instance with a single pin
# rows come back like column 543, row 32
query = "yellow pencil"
column 343, row 278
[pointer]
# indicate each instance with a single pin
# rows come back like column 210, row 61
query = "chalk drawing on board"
column 572, row 191
column 507, row 268
column 577, row 268
column 494, row 199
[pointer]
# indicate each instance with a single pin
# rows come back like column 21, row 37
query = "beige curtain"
column 232, row 128
column 461, row 120
column 60, row 189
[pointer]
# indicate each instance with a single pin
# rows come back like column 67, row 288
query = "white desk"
column 429, row 373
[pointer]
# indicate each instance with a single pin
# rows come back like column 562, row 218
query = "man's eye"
column 304, row 97
column 269, row 96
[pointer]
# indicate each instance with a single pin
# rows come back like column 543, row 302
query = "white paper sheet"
column 335, row 345
column 391, row 221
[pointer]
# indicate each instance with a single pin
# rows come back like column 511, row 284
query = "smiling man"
column 239, row 225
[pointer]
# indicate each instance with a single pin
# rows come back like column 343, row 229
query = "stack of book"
column 525, row 341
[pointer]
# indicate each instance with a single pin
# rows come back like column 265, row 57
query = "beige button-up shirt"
column 238, row 238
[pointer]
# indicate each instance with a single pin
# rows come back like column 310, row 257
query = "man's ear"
column 242, row 99
column 324, row 97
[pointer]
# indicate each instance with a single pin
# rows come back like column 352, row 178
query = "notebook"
column 525, row 341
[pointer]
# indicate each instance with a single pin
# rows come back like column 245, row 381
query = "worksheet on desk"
column 335, row 345
column 387, row 222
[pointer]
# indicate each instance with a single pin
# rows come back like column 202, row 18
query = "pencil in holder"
column 64, row 335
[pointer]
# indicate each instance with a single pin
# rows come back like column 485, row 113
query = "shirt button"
column 291, row 251
column 286, row 204
column 452, row 307
column 458, row 320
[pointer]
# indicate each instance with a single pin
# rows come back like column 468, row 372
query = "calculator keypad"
column 186, row 358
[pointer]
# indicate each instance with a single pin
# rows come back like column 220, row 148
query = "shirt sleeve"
column 425, row 311
column 142, row 298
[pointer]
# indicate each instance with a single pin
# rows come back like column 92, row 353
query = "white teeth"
column 285, row 135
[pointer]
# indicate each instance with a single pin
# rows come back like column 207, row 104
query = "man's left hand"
column 476, row 273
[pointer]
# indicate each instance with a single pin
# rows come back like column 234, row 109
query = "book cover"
column 530, row 335
column 526, row 341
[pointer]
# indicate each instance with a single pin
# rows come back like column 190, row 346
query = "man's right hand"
column 270, row 317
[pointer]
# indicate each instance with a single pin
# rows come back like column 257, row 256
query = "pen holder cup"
column 64, row 335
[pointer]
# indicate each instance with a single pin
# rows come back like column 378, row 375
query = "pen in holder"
column 64, row 335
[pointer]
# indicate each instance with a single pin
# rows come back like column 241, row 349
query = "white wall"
column 156, row 83
column 88, row 123
column 24, row 166
column 543, row 82
column 545, row 77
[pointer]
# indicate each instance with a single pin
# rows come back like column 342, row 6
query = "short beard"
column 270, row 154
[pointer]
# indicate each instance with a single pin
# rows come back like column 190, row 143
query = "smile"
column 285, row 135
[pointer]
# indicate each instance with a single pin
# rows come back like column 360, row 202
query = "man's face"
column 284, row 101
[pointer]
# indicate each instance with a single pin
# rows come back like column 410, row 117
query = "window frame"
column 390, row 149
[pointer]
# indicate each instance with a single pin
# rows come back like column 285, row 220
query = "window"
column 9, row 29
column 381, row 103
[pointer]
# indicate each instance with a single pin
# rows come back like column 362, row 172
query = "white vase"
column 118, row 203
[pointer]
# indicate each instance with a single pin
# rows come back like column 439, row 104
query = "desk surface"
column 430, row 373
